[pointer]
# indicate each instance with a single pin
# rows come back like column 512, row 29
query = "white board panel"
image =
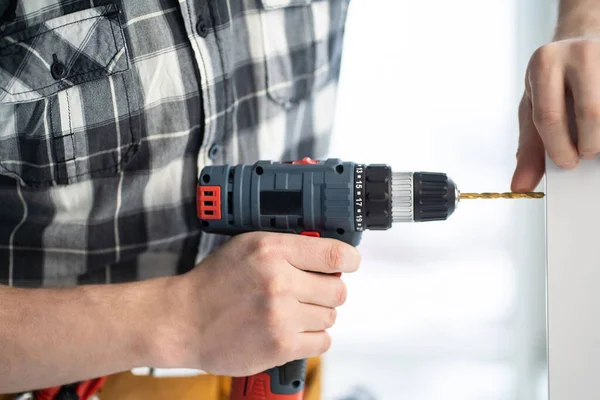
column 573, row 279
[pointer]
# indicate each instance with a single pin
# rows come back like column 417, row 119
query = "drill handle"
column 280, row 383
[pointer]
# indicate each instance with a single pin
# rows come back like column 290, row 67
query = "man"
column 108, row 111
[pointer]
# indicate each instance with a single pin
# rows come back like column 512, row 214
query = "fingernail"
column 568, row 165
column 588, row 156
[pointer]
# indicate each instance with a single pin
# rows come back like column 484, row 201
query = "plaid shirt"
column 110, row 108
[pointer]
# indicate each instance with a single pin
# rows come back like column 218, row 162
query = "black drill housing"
column 283, row 197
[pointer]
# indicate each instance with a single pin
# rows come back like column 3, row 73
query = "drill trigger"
column 310, row 233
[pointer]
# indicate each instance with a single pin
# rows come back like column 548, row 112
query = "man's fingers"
column 320, row 254
column 313, row 318
column 531, row 155
column 586, row 105
column 312, row 344
column 549, row 112
column 319, row 289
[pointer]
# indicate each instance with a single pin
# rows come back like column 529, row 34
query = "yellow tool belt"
column 126, row 386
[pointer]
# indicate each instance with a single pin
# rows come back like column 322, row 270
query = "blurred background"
column 455, row 309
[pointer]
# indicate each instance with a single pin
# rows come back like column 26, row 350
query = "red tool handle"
column 281, row 383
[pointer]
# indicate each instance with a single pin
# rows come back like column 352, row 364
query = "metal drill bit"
column 507, row 195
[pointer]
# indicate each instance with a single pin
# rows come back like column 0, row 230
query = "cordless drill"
column 329, row 198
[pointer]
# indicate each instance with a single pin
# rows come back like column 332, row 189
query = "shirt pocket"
column 68, row 99
column 302, row 43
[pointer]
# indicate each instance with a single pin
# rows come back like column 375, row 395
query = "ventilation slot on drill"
column 209, row 202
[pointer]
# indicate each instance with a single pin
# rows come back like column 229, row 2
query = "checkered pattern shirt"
column 110, row 108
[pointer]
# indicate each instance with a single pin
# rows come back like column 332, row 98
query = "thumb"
column 531, row 156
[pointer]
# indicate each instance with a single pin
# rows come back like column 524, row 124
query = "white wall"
column 455, row 309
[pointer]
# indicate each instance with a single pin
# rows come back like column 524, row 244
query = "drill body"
column 330, row 198
column 312, row 198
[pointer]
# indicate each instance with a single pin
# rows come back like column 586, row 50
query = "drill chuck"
column 391, row 197
column 436, row 196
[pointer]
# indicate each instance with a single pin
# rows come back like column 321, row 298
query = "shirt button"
column 58, row 69
column 214, row 151
column 201, row 28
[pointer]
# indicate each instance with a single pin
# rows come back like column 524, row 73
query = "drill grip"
column 285, row 382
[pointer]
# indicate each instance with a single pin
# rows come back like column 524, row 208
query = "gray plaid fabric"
column 110, row 108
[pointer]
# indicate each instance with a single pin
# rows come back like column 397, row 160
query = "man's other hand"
column 560, row 110
column 259, row 301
